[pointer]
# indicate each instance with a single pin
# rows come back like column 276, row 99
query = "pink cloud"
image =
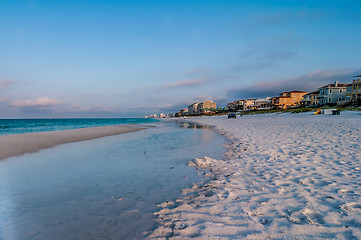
column 38, row 102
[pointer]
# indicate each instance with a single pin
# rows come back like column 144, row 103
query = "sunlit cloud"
column 38, row 102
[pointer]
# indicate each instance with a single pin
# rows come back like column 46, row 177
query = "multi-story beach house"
column 249, row 104
column 262, row 104
column 204, row 107
column 353, row 93
column 288, row 99
column 236, row 106
column 332, row 93
column 193, row 109
column 310, row 99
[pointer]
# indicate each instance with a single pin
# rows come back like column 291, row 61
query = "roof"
column 193, row 104
column 340, row 85
column 281, row 97
column 314, row 92
column 295, row 91
column 357, row 76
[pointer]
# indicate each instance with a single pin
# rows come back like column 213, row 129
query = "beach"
column 284, row 176
column 13, row 145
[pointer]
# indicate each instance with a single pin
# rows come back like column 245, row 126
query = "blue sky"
column 132, row 58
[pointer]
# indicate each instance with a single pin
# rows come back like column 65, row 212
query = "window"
column 329, row 99
column 339, row 99
column 340, row 90
column 330, row 91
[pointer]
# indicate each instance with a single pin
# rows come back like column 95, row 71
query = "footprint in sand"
column 352, row 206
column 313, row 217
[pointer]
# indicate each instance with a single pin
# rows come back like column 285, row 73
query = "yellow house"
column 288, row 99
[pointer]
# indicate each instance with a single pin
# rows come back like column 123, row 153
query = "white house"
column 193, row 109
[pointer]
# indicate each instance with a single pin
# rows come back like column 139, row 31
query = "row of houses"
column 285, row 100
column 332, row 94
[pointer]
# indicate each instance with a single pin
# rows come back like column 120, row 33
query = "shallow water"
column 106, row 188
column 19, row 126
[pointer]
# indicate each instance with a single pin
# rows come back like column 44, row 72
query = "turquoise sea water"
column 18, row 126
column 106, row 188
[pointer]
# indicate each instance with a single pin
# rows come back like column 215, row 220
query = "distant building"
column 288, row 99
column 183, row 112
column 193, row 109
column 332, row 93
column 204, row 107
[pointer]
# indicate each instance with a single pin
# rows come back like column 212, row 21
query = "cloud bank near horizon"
column 40, row 102
column 307, row 82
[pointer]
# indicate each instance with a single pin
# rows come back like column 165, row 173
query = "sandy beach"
column 284, row 176
column 13, row 145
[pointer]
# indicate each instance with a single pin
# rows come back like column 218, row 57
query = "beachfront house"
column 353, row 93
column 249, row 104
column 235, row 106
column 332, row 93
column 288, row 99
column 193, row 109
column 231, row 107
column 310, row 99
column 262, row 104
column 206, row 106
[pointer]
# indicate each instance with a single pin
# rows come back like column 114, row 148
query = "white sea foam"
column 284, row 176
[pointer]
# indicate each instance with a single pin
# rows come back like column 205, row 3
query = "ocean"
column 106, row 188
column 19, row 126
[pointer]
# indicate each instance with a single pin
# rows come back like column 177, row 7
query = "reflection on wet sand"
column 193, row 125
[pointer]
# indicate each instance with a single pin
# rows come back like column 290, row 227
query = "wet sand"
column 13, row 145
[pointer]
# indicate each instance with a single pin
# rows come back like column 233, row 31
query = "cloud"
column 2, row 100
column 4, row 84
column 186, row 83
column 308, row 82
column 41, row 102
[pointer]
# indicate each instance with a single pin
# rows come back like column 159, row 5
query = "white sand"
column 12, row 145
column 284, row 176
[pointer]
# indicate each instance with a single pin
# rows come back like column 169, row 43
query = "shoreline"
column 19, row 144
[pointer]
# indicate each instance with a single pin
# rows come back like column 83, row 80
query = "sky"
column 93, row 58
